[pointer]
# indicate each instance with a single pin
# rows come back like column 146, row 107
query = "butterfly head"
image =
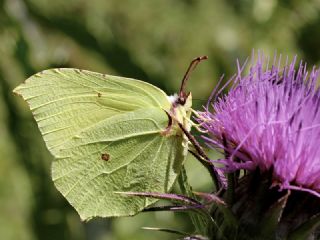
column 181, row 103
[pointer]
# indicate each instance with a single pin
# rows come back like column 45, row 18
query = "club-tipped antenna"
column 192, row 66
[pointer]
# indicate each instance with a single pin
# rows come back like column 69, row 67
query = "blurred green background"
column 152, row 40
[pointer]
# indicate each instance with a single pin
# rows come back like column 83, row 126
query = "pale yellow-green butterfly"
column 109, row 134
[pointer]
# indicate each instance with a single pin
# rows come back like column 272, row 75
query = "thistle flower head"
column 269, row 120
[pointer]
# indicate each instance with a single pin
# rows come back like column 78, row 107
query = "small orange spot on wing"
column 105, row 157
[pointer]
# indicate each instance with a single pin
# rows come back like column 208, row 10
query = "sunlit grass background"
column 152, row 40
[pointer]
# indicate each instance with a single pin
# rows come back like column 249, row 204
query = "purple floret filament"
column 270, row 120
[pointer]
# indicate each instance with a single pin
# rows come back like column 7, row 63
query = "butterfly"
column 109, row 134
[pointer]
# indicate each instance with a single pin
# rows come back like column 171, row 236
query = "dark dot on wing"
column 105, row 157
column 99, row 94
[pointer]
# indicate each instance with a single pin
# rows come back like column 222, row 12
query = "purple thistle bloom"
column 269, row 120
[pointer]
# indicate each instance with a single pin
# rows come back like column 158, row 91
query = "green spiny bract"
column 254, row 210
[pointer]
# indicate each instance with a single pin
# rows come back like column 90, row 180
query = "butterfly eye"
column 181, row 100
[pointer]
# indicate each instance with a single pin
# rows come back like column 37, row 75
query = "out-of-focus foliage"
column 148, row 40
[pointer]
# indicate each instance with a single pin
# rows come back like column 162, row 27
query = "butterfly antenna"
column 192, row 66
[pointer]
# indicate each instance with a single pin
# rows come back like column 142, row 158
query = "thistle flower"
column 270, row 121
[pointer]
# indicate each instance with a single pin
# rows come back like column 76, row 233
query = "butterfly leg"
column 203, row 158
